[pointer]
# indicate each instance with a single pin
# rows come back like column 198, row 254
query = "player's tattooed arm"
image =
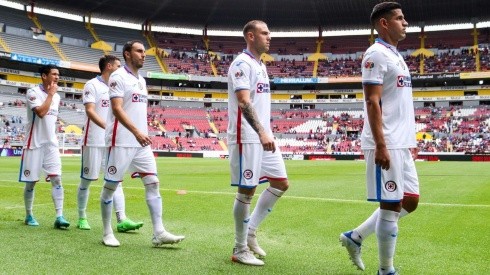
column 251, row 116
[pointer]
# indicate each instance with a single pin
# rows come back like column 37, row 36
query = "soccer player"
column 387, row 139
column 127, row 134
column 97, row 105
column 254, row 157
column 41, row 148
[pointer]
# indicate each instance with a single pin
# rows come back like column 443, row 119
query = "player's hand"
column 267, row 143
column 143, row 139
column 52, row 88
column 382, row 157
column 414, row 152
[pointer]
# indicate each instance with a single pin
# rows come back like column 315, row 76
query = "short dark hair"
column 106, row 59
column 129, row 45
column 251, row 26
column 46, row 69
column 382, row 9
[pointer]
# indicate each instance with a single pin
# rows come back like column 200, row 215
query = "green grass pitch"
column 448, row 234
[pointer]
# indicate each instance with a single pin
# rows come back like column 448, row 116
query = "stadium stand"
column 186, row 128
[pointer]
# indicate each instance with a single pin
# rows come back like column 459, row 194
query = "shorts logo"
column 248, row 174
column 27, row 173
column 105, row 103
column 390, row 186
column 32, row 97
column 112, row 170
column 86, row 170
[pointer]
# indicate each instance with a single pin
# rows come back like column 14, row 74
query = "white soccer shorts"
column 92, row 160
column 46, row 158
column 393, row 184
column 251, row 165
column 133, row 159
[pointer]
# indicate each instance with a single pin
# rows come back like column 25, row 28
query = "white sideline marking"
column 20, row 185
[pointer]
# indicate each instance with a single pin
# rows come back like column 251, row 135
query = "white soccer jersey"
column 41, row 131
column 132, row 89
column 96, row 91
column 383, row 65
column 248, row 73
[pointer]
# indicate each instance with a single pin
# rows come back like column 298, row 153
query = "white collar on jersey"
column 389, row 46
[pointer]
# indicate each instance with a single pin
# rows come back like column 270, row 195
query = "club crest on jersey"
column 404, row 81
column 248, row 174
column 112, row 170
column 139, row 98
column 369, row 64
column 401, row 65
column 105, row 103
column 390, row 186
column 263, row 88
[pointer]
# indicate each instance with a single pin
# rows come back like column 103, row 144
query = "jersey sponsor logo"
column 390, row 186
column 139, row 98
column 263, row 88
column 86, row 170
column 105, row 103
column 369, row 64
column 112, row 170
column 27, row 173
column 248, row 174
column 404, row 81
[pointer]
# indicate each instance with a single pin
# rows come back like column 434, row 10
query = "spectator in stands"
column 253, row 152
column 97, row 105
column 127, row 132
column 41, row 150
column 386, row 138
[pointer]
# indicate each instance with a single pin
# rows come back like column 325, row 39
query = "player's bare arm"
column 93, row 116
column 51, row 89
column 372, row 95
column 123, row 117
column 250, row 115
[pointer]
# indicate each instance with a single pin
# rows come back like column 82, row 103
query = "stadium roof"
column 281, row 15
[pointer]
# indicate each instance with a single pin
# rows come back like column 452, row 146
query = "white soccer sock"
column 264, row 206
column 82, row 197
column 119, row 203
column 241, row 210
column 369, row 225
column 387, row 231
column 106, row 198
column 154, row 202
column 57, row 194
column 29, row 196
